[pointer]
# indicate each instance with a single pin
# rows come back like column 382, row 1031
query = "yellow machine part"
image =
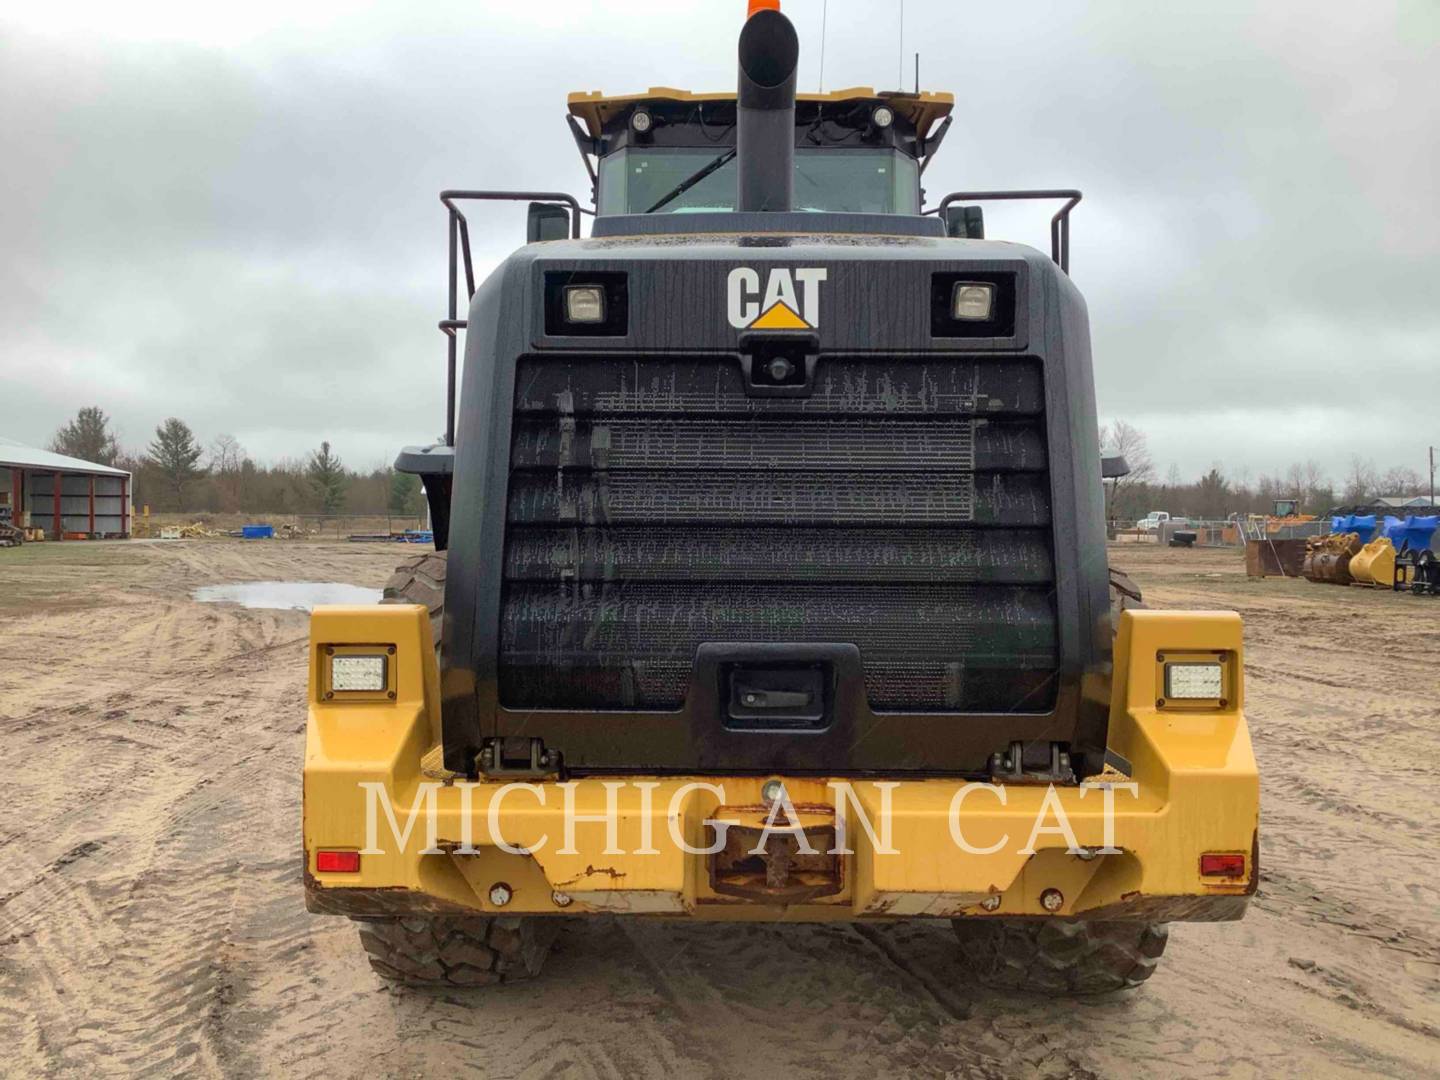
column 595, row 109
column 1375, row 565
column 420, row 840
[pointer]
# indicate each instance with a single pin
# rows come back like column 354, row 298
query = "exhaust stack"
column 765, row 123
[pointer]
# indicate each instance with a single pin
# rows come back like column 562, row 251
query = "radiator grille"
column 903, row 507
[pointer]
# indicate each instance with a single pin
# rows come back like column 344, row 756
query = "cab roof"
column 596, row 109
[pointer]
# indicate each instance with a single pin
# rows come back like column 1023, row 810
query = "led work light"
column 585, row 304
column 364, row 674
column 1195, row 682
column 972, row 301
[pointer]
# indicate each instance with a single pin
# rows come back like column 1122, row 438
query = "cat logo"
column 791, row 299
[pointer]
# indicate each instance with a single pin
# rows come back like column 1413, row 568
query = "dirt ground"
column 151, row 918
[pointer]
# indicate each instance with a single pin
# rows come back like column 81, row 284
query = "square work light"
column 972, row 301
column 585, row 304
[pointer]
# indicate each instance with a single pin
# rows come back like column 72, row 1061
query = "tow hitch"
column 791, row 863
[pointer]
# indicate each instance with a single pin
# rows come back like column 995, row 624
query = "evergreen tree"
column 174, row 454
column 88, row 437
column 404, row 494
column 327, row 479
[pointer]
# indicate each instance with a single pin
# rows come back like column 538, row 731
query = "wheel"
column 1060, row 955
column 421, row 581
column 449, row 950
column 457, row 951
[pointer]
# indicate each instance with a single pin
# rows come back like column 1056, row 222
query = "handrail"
column 458, row 235
column 1059, row 224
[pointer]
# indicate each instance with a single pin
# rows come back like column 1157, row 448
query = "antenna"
column 824, row 19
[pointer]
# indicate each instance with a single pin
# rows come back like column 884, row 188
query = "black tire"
column 457, row 951
column 1064, row 955
column 421, row 580
column 449, row 950
column 1060, row 956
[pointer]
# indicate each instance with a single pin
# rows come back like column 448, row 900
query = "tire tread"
column 1061, row 955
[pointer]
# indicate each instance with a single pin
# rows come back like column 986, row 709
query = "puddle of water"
column 286, row 595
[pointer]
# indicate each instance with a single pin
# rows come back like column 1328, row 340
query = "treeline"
column 175, row 473
column 1216, row 495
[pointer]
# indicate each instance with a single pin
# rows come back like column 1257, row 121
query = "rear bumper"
column 1118, row 847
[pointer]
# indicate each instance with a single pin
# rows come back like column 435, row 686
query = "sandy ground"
column 151, row 918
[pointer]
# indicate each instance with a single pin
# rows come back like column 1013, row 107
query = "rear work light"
column 972, row 301
column 585, row 304
column 1190, row 682
column 358, row 673
column 351, row 673
column 1196, row 680
column 1222, row 864
column 337, row 862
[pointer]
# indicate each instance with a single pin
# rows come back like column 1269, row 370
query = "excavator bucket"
column 1327, row 558
column 1375, row 565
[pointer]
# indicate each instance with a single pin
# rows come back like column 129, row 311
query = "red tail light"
column 1217, row 864
column 337, row 862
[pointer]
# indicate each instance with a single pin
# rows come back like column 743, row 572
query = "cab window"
column 854, row 181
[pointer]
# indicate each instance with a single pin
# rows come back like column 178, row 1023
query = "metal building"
column 63, row 495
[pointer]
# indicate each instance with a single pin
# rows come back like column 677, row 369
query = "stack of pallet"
column 10, row 536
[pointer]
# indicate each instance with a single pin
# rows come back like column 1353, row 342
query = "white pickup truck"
column 1152, row 521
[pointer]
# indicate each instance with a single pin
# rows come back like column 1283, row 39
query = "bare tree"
column 1401, row 480
column 1360, row 481
column 227, row 462
column 1125, row 440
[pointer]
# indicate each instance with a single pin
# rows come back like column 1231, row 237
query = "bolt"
column 781, row 369
column 1085, row 854
column 1052, row 900
column 752, row 699
column 990, row 903
column 772, row 791
column 560, row 899
column 500, row 894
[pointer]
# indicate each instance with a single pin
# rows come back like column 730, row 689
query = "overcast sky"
column 227, row 213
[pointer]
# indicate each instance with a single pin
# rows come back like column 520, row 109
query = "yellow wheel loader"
column 770, row 580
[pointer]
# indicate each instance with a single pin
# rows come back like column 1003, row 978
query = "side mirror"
column 1113, row 468
column 547, row 221
column 965, row 222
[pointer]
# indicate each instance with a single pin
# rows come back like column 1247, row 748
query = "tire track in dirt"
column 178, row 943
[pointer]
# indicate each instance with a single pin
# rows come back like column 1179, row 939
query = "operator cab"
column 671, row 151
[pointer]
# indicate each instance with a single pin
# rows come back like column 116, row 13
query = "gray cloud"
column 236, row 223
